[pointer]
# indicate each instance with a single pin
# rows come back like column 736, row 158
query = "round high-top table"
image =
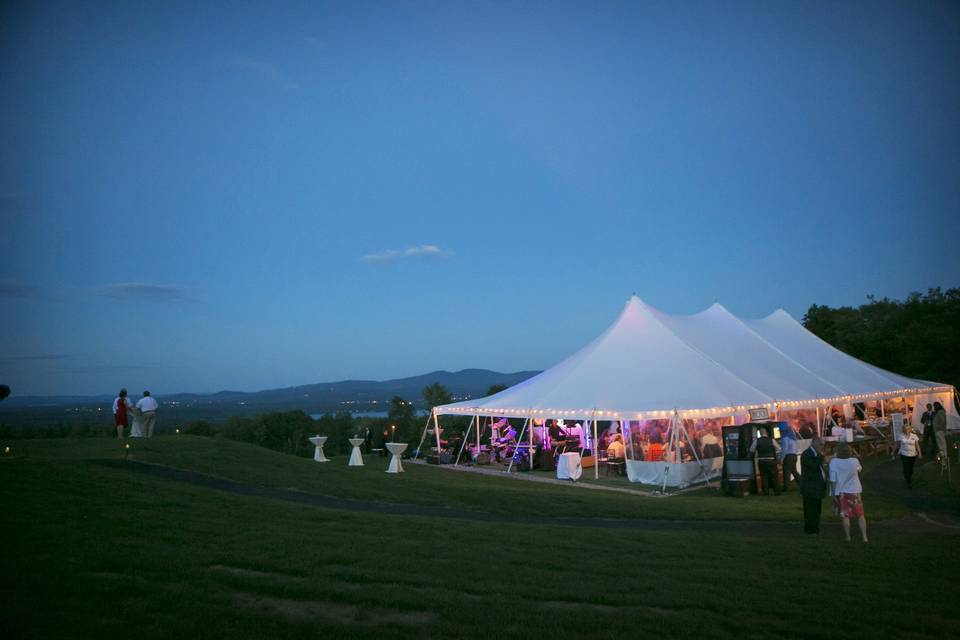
column 318, row 442
column 395, row 449
column 568, row 467
column 356, row 460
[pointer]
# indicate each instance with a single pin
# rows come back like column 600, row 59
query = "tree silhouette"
column 436, row 394
column 496, row 388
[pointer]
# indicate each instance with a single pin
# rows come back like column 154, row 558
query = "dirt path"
column 932, row 510
column 399, row 509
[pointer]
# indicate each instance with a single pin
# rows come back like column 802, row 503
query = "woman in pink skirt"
column 846, row 489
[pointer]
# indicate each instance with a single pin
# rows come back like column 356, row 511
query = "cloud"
column 263, row 70
column 13, row 289
column 393, row 255
column 143, row 291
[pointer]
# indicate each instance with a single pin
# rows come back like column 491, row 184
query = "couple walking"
column 144, row 415
column 841, row 477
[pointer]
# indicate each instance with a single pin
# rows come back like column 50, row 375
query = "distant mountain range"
column 350, row 395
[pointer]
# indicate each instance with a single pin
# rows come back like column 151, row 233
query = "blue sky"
column 218, row 195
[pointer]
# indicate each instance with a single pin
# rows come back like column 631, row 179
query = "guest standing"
column 926, row 421
column 789, row 446
column 939, row 427
column 909, row 453
column 148, row 407
column 767, row 450
column 813, row 485
column 121, row 408
column 846, row 489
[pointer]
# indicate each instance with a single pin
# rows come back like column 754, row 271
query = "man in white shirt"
column 148, row 408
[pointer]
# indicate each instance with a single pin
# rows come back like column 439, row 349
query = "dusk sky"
column 199, row 196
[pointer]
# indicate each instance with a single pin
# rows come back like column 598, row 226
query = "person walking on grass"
column 845, row 489
column 909, row 453
column 813, row 485
column 121, row 407
column 148, row 408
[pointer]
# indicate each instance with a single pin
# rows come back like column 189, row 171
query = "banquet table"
column 356, row 460
column 318, row 442
column 395, row 449
column 568, row 467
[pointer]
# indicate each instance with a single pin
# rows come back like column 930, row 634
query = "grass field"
column 91, row 550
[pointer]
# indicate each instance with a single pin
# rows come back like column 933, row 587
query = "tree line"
column 918, row 337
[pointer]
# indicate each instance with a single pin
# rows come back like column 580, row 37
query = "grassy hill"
column 95, row 547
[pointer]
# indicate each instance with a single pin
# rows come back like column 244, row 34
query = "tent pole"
column 466, row 437
column 422, row 437
column 514, row 456
column 436, row 431
column 818, row 421
column 596, row 449
column 666, row 467
column 881, row 409
column 530, row 451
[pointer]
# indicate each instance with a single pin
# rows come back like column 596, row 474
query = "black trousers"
column 768, row 476
column 811, row 514
column 790, row 469
column 928, row 436
column 908, row 462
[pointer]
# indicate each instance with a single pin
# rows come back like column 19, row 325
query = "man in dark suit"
column 813, row 485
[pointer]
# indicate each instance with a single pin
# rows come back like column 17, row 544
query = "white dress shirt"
column 147, row 403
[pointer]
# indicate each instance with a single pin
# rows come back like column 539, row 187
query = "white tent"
column 650, row 365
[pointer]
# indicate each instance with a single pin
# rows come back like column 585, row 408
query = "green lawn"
column 102, row 552
column 425, row 485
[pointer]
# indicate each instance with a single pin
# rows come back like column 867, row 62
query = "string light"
column 710, row 412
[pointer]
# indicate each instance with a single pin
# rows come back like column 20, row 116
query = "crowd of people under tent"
column 648, row 440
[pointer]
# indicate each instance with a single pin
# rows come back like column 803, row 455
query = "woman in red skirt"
column 846, row 489
column 120, row 407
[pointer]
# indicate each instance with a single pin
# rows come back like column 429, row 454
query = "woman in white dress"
column 136, row 429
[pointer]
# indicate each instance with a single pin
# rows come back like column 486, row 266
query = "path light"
column 178, row 429
column 6, row 450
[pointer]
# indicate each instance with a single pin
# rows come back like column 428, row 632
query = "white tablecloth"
column 318, row 442
column 356, row 460
column 568, row 467
column 395, row 449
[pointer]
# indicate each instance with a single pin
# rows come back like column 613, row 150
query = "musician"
column 577, row 432
column 555, row 432
column 506, row 440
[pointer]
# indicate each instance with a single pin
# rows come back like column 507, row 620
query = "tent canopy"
column 648, row 364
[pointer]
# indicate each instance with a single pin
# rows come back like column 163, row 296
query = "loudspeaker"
column 432, row 459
